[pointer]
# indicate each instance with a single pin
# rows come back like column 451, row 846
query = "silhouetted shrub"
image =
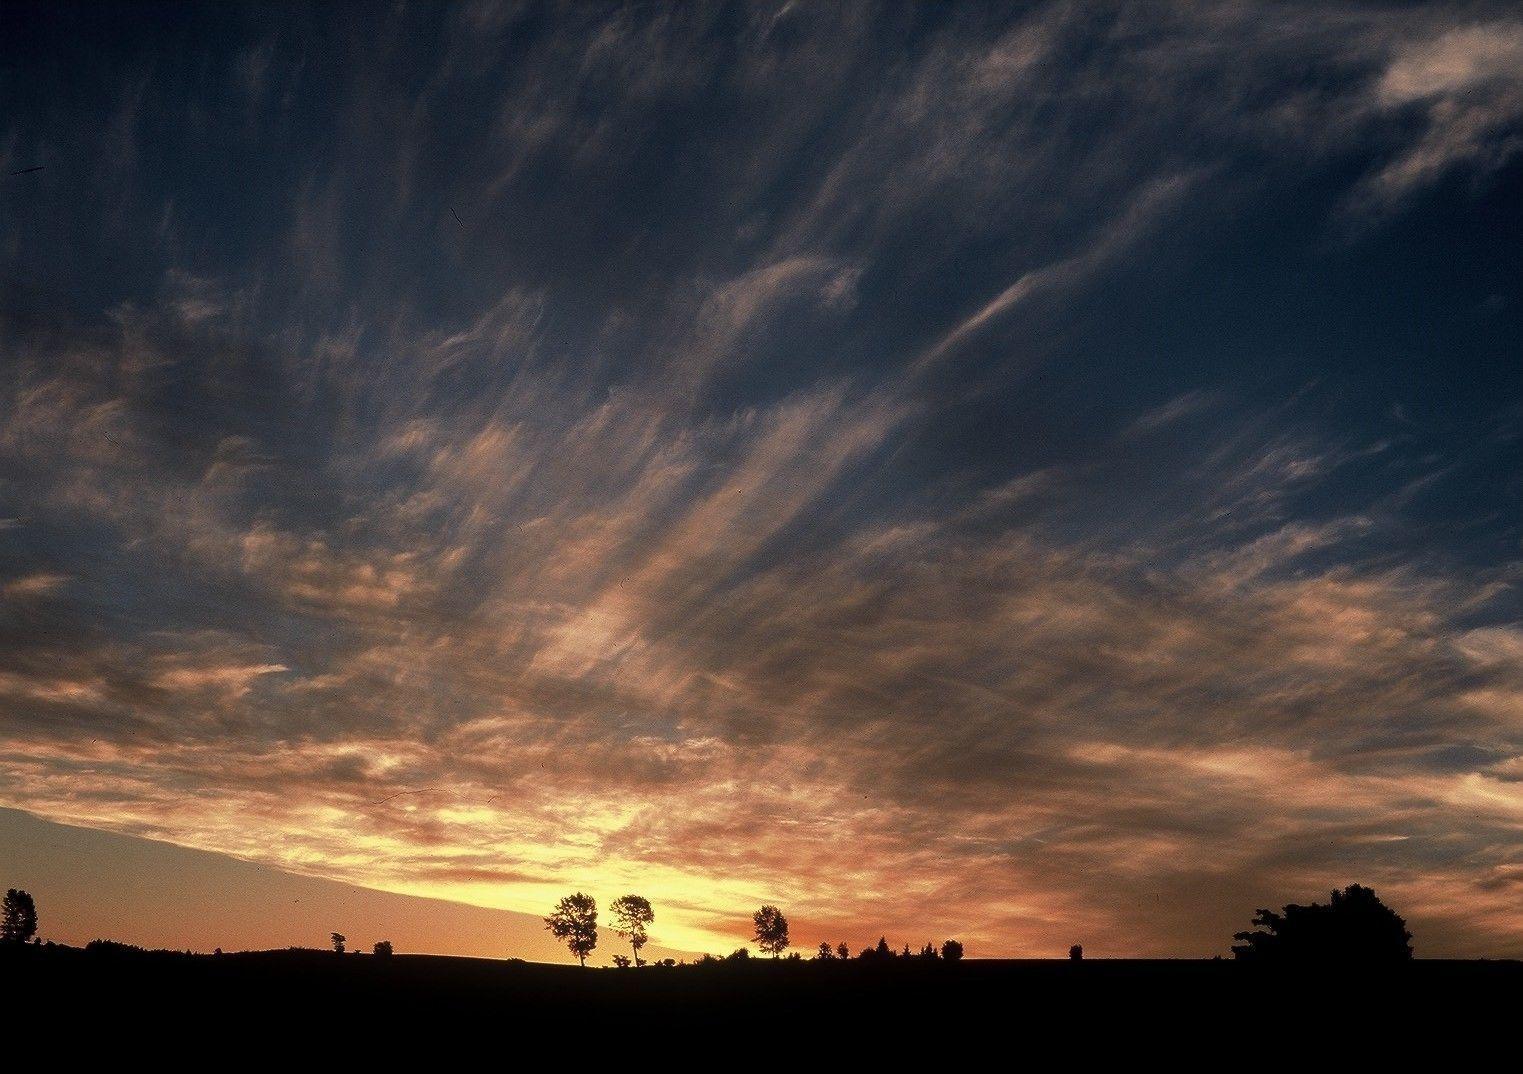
column 771, row 930
column 112, row 947
column 18, row 917
column 622, row 961
column 574, row 922
column 338, row 939
column 1355, row 926
column 1076, row 952
column 382, row 949
column 951, row 950
column 740, row 954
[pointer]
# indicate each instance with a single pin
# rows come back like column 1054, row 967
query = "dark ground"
column 1211, row 1012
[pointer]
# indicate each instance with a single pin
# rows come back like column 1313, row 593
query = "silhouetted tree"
column 1076, row 952
column 740, row 954
column 631, row 915
column 575, row 923
column 842, row 951
column 18, row 917
column 771, row 930
column 825, row 953
column 621, row 961
column 928, row 951
column 951, row 950
column 382, row 949
column 1355, row 926
column 338, row 939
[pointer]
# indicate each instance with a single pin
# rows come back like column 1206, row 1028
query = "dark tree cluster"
column 574, row 922
column 1353, row 926
column 950, row 951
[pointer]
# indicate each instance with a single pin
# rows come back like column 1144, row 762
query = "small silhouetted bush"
column 112, row 947
column 623, row 962
column 1076, row 952
column 382, row 949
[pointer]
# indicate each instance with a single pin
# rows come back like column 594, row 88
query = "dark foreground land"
column 421, row 1004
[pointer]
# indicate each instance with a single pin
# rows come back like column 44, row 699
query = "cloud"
column 33, row 586
column 1175, row 410
column 592, row 496
column 1465, row 85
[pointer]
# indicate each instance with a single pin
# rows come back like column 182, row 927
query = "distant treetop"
column 18, row 917
column 771, row 930
column 574, row 922
column 1354, row 926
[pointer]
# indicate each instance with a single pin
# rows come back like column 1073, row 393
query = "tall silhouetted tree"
column 825, row 954
column 842, row 951
column 575, row 923
column 1076, row 952
column 18, row 917
column 771, row 930
column 338, row 940
column 1355, row 926
column 951, row 950
column 631, row 916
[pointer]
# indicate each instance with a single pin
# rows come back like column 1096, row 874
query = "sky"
column 1030, row 473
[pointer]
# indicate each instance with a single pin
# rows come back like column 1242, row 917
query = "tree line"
column 574, row 922
column 1354, row 926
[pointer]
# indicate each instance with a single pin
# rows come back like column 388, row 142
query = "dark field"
column 1091, row 1007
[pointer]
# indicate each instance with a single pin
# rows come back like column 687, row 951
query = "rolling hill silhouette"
column 98, row 884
